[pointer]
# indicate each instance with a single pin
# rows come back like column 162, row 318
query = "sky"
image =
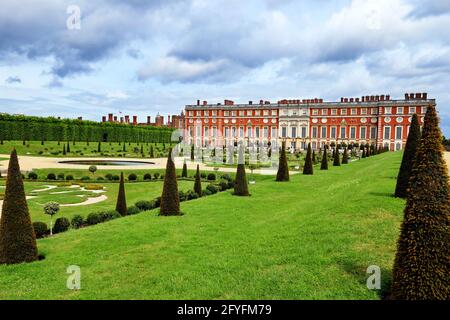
column 90, row 58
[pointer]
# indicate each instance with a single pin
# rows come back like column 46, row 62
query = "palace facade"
column 377, row 120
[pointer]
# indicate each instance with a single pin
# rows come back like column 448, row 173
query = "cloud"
column 13, row 79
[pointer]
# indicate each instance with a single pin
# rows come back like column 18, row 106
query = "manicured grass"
column 310, row 238
column 81, row 149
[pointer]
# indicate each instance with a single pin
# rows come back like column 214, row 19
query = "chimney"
column 372, row 98
column 261, row 101
column 250, row 102
column 205, row 102
column 351, row 99
column 411, row 96
column 418, row 96
column 121, row 119
column 198, row 102
column 362, row 99
column 110, row 117
column 134, row 119
column 168, row 119
column 406, row 96
column 388, row 97
column 342, row 99
column 127, row 119
column 115, row 118
column 377, row 98
column 104, row 119
column 149, row 119
column 320, row 100
column 382, row 97
column 424, row 96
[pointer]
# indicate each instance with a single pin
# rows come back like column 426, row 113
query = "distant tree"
column 345, row 156
column 68, row 147
column 363, row 155
column 121, row 204
column 308, row 167
column 368, row 151
column 170, row 198
column 324, row 164
column 408, row 158
column 99, row 147
column 64, row 150
column 198, row 182
column 283, row 168
column 93, row 169
column 336, row 158
column 152, row 154
column 421, row 267
column 184, row 172
column 192, row 153
column 17, row 237
column 124, row 148
column 314, row 159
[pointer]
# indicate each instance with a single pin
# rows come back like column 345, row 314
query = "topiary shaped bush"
column 69, row 177
column 40, row 229
column 144, row 205
column 132, row 177
column 77, row 222
column 32, row 175
column 51, row 176
column 61, row 225
column 133, row 210
column 147, row 176
column 93, row 219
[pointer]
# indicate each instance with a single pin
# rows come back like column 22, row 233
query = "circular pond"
column 107, row 162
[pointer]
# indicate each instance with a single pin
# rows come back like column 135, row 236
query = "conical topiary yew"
column 408, row 158
column 241, row 184
column 308, row 167
column 336, row 158
column 121, row 205
column 283, row 169
column 324, row 164
column 170, row 198
column 17, row 237
column 345, row 156
column 422, row 266
column 184, row 172
column 198, row 182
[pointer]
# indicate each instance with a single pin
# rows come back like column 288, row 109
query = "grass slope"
column 310, row 238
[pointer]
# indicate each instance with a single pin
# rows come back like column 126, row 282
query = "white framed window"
column 257, row 113
column 424, row 110
column 324, row 112
column 266, row 112
column 241, row 113
column 342, row 133
column 241, row 132
column 294, row 132
column 373, row 133
column 343, row 112
column 353, row 111
column 399, row 110
column 352, row 133
column 226, row 113
column 214, row 113
column 249, row 113
column 333, row 112
column 274, row 133
column 362, row 133
column 250, row 132
column 387, row 132
column 373, row 111
column 266, row 132
column 333, row 132
column 314, row 132
column 233, row 113
column 214, row 130
column 363, row 111
column 315, row 112
column 412, row 110
column 398, row 132
column 226, row 132
column 233, row 132
column 206, row 131
column 303, row 132
column 387, row 110
column 283, row 132
column 274, row 112
column 257, row 132
column 323, row 133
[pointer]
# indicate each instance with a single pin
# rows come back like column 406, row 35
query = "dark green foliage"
column 211, row 177
column 241, row 184
column 69, row 177
column 133, row 210
column 51, row 176
column 324, row 164
column 121, row 205
column 314, row 158
column 184, row 172
column 368, row 151
column 336, row 158
column 68, row 147
column 283, row 168
column 408, row 158
column 198, row 182
column 99, row 147
column 170, row 198
column 308, row 167
column 422, row 268
column 152, row 154
column 32, row 175
column 148, row 176
column 64, row 150
column 85, row 178
column 77, row 221
column 93, row 218
column 132, row 177
column 192, row 153
column 156, row 175
column 17, row 238
column 62, row 224
column 213, row 189
column 40, row 229
column 60, row 176
column 345, row 156
column 109, row 215
column 363, row 152
column 144, row 205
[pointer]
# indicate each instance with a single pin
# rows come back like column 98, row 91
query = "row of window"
column 233, row 132
column 333, row 133
column 233, row 113
column 344, row 112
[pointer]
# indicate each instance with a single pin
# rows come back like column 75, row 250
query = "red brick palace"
column 377, row 120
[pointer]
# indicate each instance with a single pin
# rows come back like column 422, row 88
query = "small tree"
column 336, row 158
column 121, row 204
column 64, row 150
column 241, row 184
column 51, row 208
column 308, row 167
column 184, row 172
column 283, row 169
column 99, row 147
column 345, row 156
column 198, row 182
column 324, row 164
column 68, row 147
column 170, row 198
column 408, row 158
column 421, row 268
column 93, row 169
column 314, row 159
column 363, row 151
column 192, row 153
column 152, row 154
column 17, row 237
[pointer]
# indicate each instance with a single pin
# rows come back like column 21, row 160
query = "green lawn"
column 82, row 149
column 310, row 238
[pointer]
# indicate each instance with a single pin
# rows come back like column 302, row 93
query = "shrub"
column 92, row 219
column 40, row 229
column 157, row 202
column 115, row 177
column 241, row 184
column 132, row 177
column 211, row 177
column 324, row 164
column 212, row 188
column 223, row 185
column 85, row 178
column 51, row 176
column 93, row 187
column 283, row 169
column 206, row 192
column 203, row 175
column 32, row 175
column 170, row 201
column 77, row 221
column 190, row 195
column 144, row 205
column 133, row 210
column 182, row 196
column 108, row 215
column 69, row 177
column 226, row 177
column 156, row 175
column 61, row 176
column 308, row 167
column 61, row 225
column 108, row 176
column 230, row 184
column 198, row 183
column 121, row 204
column 147, row 176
